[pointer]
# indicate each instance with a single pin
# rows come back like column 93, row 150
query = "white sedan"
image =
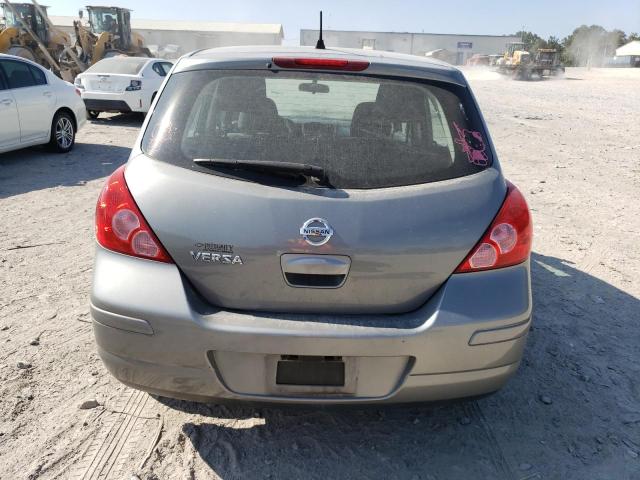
column 36, row 107
column 122, row 84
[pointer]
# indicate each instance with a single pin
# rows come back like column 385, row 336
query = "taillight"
column 321, row 63
column 120, row 225
column 134, row 85
column 507, row 241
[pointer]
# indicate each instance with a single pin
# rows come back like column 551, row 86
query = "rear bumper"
column 107, row 105
column 155, row 334
column 115, row 102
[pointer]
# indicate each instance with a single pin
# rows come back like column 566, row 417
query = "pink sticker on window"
column 473, row 145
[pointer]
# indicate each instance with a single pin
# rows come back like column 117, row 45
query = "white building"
column 186, row 36
column 460, row 47
column 628, row 55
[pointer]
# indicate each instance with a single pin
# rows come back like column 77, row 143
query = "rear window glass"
column 122, row 65
column 38, row 75
column 365, row 132
column 162, row 68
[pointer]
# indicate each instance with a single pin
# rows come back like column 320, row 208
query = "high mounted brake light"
column 321, row 64
column 120, row 225
column 507, row 241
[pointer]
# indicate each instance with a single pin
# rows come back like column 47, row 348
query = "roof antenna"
column 320, row 43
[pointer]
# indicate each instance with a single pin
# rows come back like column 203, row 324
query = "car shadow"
column 36, row 168
column 571, row 411
column 133, row 119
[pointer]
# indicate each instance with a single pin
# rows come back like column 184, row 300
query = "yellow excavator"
column 28, row 33
column 108, row 34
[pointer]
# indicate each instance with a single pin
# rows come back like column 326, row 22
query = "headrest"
column 263, row 116
column 402, row 102
column 370, row 121
column 243, row 94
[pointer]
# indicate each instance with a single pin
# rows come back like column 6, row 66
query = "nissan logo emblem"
column 316, row 231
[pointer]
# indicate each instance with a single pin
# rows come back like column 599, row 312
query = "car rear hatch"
column 408, row 187
column 107, row 83
column 113, row 75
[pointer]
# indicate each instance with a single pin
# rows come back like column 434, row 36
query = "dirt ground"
column 571, row 412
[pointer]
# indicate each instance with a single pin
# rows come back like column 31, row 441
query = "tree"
column 554, row 42
column 532, row 41
column 591, row 45
column 586, row 46
column 618, row 38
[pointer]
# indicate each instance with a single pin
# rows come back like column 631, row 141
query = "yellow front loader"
column 519, row 63
column 108, row 34
column 28, row 33
column 516, row 60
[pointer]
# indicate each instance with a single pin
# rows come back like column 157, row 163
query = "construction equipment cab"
column 108, row 34
column 114, row 21
column 24, row 12
column 516, row 54
column 25, row 28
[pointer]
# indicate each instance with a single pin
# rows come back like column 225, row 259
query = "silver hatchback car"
column 302, row 225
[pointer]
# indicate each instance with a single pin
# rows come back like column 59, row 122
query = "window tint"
column 38, row 75
column 159, row 69
column 339, row 103
column 365, row 132
column 124, row 65
column 167, row 66
column 3, row 85
column 18, row 74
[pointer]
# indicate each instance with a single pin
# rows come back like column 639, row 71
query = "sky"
column 488, row 17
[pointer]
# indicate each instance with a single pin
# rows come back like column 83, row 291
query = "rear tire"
column 92, row 114
column 63, row 133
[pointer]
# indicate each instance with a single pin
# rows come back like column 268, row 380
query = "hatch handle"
column 315, row 271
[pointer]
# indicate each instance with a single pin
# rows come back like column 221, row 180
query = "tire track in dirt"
column 123, row 435
column 496, row 454
column 597, row 255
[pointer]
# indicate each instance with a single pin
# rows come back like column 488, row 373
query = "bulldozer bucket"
column 5, row 38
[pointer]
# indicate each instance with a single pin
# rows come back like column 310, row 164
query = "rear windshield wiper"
column 276, row 168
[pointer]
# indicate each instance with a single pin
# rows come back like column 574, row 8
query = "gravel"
column 88, row 404
column 546, row 399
